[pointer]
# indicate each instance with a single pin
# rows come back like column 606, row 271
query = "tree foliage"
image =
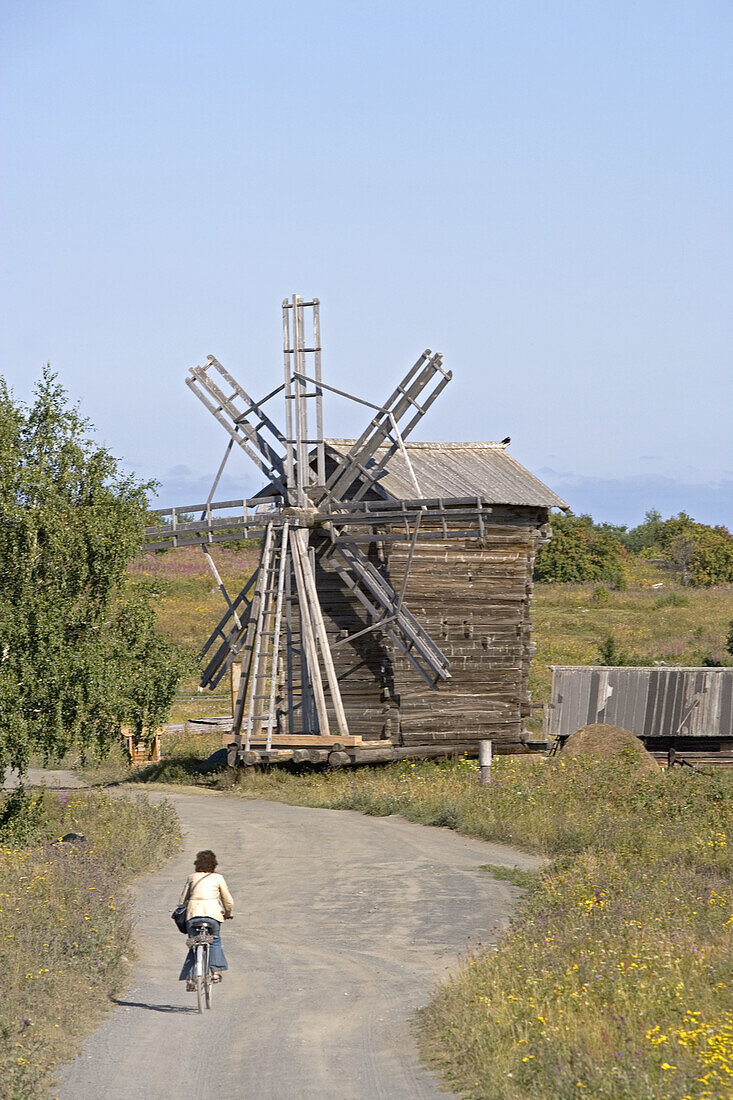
column 79, row 653
column 703, row 555
column 581, row 550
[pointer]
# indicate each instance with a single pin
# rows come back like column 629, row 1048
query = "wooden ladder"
column 259, row 688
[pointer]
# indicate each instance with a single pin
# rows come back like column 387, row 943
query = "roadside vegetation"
column 65, row 920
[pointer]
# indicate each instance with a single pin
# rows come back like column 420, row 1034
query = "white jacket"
column 209, row 896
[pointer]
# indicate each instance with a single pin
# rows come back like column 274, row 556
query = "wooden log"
column 302, row 741
column 338, row 759
column 276, row 756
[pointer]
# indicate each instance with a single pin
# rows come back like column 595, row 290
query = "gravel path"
column 343, row 925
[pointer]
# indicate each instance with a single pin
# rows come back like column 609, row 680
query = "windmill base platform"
column 340, row 752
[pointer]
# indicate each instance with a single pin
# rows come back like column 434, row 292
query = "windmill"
column 318, row 505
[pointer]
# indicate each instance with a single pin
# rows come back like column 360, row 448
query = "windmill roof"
column 448, row 470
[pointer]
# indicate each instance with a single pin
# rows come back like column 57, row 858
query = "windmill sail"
column 386, row 608
column 233, row 411
column 384, row 425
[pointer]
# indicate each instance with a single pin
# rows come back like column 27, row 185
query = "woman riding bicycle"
column 208, row 903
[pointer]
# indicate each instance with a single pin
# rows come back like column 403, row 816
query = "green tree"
column 646, row 536
column 79, row 653
column 581, row 551
column 703, row 555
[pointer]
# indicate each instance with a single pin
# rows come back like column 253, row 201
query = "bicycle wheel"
column 199, row 972
column 208, row 983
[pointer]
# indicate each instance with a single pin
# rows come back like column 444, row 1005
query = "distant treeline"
column 582, row 550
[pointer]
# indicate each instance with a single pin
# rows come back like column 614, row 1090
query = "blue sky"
column 541, row 190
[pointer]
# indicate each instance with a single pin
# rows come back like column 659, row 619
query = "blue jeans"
column 216, row 954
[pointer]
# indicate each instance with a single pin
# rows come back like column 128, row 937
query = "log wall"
column 473, row 597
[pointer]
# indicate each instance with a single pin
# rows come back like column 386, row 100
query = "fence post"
column 484, row 761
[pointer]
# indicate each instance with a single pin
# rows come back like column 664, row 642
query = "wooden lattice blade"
column 404, row 399
column 379, row 598
column 227, row 638
column 232, row 406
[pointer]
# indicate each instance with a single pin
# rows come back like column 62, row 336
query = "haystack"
column 606, row 742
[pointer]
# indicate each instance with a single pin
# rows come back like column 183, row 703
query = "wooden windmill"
column 321, row 517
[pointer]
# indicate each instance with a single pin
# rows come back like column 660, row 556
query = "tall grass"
column 65, row 920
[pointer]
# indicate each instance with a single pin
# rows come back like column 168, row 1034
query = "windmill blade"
column 426, row 371
column 230, row 633
column 388, row 611
column 221, row 521
column 233, row 410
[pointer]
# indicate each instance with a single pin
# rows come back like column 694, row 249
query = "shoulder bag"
column 179, row 913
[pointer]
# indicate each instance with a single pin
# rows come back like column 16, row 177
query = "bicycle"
column 202, row 977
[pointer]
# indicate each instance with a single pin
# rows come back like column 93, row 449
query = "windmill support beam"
column 300, row 564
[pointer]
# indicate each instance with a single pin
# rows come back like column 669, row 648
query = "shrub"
column 702, row 555
column 581, row 551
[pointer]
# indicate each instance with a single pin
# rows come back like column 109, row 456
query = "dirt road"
column 343, row 925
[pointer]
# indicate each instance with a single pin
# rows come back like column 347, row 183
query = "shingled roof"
column 449, row 470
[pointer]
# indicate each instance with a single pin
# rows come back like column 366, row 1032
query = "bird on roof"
column 507, row 440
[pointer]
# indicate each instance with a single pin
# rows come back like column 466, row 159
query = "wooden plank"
column 299, row 741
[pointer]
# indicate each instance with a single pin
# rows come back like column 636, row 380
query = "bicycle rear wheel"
column 208, row 985
column 201, row 968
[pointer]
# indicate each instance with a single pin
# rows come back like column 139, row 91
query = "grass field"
column 65, row 923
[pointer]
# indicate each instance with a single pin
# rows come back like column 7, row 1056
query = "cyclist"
column 208, row 901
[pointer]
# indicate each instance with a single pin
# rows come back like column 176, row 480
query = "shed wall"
column 652, row 702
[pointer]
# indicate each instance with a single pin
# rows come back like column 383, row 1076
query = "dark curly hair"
column 205, row 861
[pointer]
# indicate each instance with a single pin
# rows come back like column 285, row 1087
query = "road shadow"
column 154, row 1008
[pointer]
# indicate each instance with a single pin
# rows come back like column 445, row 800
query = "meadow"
column 65, row 920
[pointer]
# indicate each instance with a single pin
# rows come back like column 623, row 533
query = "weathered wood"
column 299, row 555
column 301, row 741
column 338, row 759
